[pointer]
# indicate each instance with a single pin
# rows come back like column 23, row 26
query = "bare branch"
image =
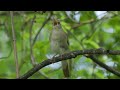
column 70, row 17
column 14, row 44
column 74, row 54
column 44, row 23
column 104, row 65
column 91, row 21
column 31, row 49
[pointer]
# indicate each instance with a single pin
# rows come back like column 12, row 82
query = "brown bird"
column 59, row 45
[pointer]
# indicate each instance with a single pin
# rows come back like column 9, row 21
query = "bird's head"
column 56, row 23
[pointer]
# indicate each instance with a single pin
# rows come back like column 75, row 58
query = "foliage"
column 85, row 29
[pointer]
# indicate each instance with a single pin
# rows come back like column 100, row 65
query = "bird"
column 59, row 45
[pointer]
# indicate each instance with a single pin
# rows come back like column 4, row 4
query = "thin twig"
column 53, row 70
column 22, row 48
column 91, row 21
column 93, row 29
column 74, row 54
column 31, row 50
column 14, row 44
column 93, row 71
column 104, row 65
column 22, row 43
column 44, row 23
column 75, row 38
column 70, row 17
column 43, row 74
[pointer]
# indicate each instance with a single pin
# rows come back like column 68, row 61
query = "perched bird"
column 59, row 45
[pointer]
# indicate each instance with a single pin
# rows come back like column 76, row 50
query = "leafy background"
column 85, row 29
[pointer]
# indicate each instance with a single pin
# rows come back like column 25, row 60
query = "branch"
column 70, row 55
column 53, row 70
column 69, row 32
column 68, row 16
column 83, row 23
column 104, row 65
column 91, row 21
column 44, row 75
column 14, row 44
column 18, row 13
column 22, row 43
column 31, row 49
column 44, row 23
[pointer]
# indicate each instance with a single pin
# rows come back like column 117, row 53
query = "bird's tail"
column 66, row 67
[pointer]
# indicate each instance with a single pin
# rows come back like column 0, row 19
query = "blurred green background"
column 85, row 29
